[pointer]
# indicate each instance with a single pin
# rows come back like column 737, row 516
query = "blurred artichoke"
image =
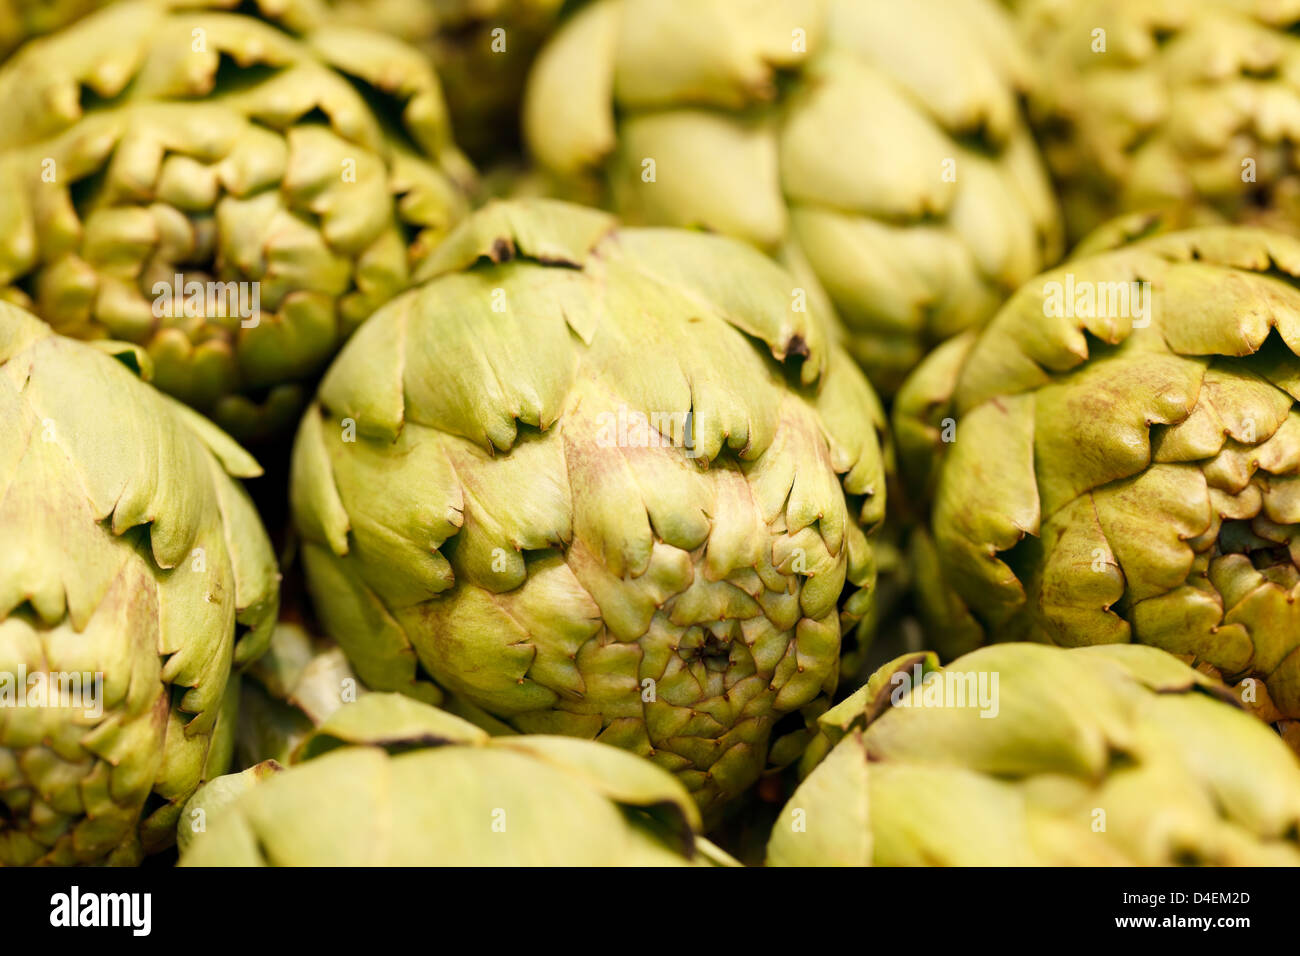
column 603, row 482
column 482, row 50
column 1190, row 106
column 134, row 575
column 1025, row 755
column 21, row 20
column 292, row 689
column 1124, row 474
column 389, row 781
column 233, row 191
column 877, row 147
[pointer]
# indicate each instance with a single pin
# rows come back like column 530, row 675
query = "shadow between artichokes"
column 233, row 187
column 1026, row 755
column 291, row 689
column 1113, row 477
column 134, row 576
column 611, row 483
column 482, row 50
column 876, row 147
column 390, row 781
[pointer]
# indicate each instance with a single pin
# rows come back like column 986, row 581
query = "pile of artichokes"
column 681, row 432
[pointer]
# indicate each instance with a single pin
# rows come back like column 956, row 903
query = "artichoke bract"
column 1186, row 106
column 612, row 483
column 135, row 575
column 1125, row 462
column 874, row 145
column 1025, row 755
column 390, row 781
column 237, row 223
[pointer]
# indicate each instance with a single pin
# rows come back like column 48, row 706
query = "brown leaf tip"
column 503, row 250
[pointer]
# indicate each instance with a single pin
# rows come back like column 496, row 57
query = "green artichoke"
column 875, row 146
column 1188, row 106
column 603, row 482
column 389, row 781
column 1097, row 756
column 20, row 20
column 233, row 191
column 134, row 575
column 1124, row 473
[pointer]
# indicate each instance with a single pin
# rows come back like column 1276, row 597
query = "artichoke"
column 1126, row 462
column 237, row 223
column 21, row 20
column 603, row 482
column 876, row 147
column 1107, row 755
column 389, row 781
column 1187, row 106
column 134, row 576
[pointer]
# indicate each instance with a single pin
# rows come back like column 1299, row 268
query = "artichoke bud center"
column 709, row 643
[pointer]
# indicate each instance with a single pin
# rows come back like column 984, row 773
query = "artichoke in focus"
column 1191, row 107
column 874, row 146
column 1025, row 755
column 1125, row 462
column 134, row 576
column 389, row 781
column 604, row 482
column 233, row 191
